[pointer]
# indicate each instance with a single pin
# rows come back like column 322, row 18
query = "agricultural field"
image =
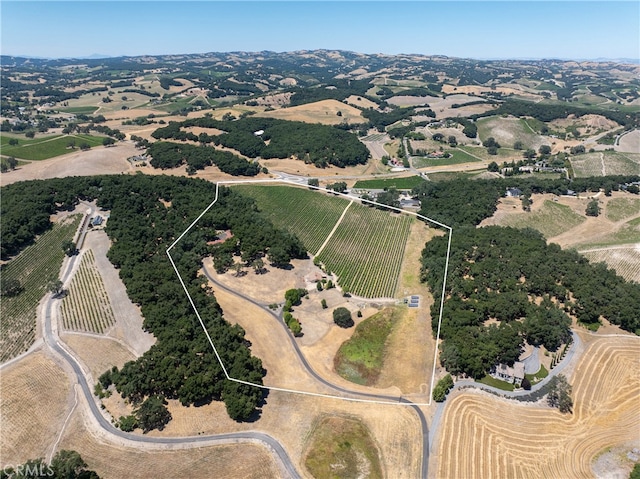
column 47, row 147
column 484, row 436
column 622, row 208
column 34, row 268
column 366, row 251
column 551, row 219
column 405, row 183
column 308, row 214
column 507, row 131
column 86, row 306
column 605, row 163
column 625, row 260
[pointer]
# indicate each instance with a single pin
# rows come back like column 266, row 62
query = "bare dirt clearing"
column 443, row 106
column 97, row 161
column 484, row 436
column 629, row 142
column 34, row 403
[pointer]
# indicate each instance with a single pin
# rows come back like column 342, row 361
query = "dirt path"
column 335, row 227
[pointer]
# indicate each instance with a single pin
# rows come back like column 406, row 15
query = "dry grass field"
column 109, row 460
column 98, row 354
column 325, row 112
column 34, row 401
column 483, row 436
column 507, row 131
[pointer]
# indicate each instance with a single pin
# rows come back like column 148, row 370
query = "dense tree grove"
column 321, row 145
column 497, row 273
column 170, row 155
column 181, row 365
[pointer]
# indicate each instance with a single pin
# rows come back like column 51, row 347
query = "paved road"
column 381, row 397
column 51, row 339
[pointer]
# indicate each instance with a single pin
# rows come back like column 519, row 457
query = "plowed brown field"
column 484, row 437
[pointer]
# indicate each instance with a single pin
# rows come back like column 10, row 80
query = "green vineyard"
column 34, row 268
column 87, row 307
column 308, row 214
column 365, row 251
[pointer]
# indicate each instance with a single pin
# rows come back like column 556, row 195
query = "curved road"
column 51, row 339
column 423, row 422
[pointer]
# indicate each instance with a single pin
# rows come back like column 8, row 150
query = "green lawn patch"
column 47, row 147
column 539, row 376
column 496, row 383
column 360, row 359
column 457, row 157
column 80, row 110
column 406, row 183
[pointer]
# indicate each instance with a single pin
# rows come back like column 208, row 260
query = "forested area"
column 467, row 202
column 321, row 145
column 497, row 273
column 166, row 154
column 181, row 364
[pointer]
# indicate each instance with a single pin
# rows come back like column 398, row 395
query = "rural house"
column 511, row 374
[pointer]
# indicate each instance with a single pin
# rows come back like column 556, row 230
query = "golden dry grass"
column 235, row 461
column 98, row 354
column 482, row 436
column 325, row 112
column 33, row 406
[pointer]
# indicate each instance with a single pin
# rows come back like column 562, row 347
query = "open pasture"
column 507, row 131
column 483, row 436
column 366, row 251
column 605, row 163
column 551, row 219
column 33, row 268
column 327, row 112
column 308, row 214
column 622, row 208
column 87, row 307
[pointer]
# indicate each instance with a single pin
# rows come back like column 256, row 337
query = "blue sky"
column 474, row 29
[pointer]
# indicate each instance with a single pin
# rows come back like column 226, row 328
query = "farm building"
column 511, row 374
column 514, row 192
column 97, row 221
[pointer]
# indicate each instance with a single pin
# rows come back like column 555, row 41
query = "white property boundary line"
column 308, row 393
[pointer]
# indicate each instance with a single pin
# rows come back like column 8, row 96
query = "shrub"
column 442, row 388
column 342, row 317
column 324, row 303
